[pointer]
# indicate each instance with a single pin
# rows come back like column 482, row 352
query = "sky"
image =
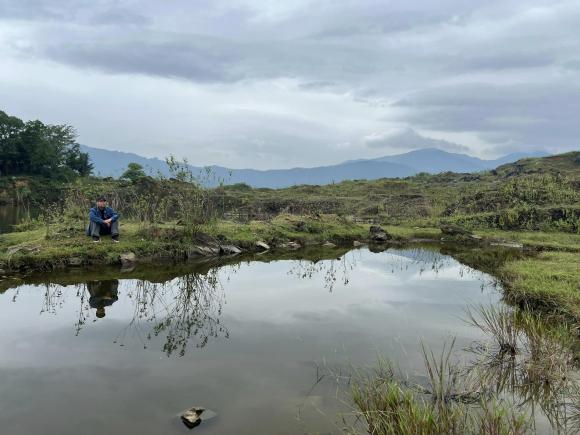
column 273, row 84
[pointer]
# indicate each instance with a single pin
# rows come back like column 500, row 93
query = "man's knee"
column 94, row 229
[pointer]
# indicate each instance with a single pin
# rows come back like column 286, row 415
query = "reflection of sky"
column 279, row 325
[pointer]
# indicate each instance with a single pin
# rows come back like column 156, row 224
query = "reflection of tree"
column 185, row 307
column 332, row 270
column 189, row 306
column 53, row 299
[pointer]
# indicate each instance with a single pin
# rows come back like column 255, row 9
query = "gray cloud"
column 409, row 139
column 530, row 114
column 119, row 16
column 503, row 73
column 199, row 58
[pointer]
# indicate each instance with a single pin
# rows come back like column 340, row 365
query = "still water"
column 11, row 215
column 250, row 341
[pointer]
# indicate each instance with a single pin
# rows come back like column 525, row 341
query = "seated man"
column 103, row 220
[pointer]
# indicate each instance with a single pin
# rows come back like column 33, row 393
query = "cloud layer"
column 268, row 84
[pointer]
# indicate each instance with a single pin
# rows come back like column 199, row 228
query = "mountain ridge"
column 109, row 163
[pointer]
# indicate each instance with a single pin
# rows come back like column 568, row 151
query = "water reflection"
column 286, row 323
column 180, row 310
column 103, row 294
column 529, row 359
column 190, row 306
column 332, row 271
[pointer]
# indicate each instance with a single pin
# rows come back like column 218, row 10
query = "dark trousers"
column 98, row 230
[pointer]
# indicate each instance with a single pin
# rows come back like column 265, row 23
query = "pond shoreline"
column 555, row 292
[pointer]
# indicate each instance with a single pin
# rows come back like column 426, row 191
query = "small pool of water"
column 248, row 341
column 11, row 215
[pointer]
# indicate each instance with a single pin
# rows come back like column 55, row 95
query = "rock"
column 374, row 229
column 195, row 416
column 229, row 250
column 75, row 261
column 328, row 244
column 202, row 251
column 15, row 249
column 475, row 237
column 357, row 244
column 127, row 259
column 291, row 245
column 378, row 234
column 263, row 246
column 205, row 239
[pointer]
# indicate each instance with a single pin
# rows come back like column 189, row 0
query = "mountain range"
column 432, row 160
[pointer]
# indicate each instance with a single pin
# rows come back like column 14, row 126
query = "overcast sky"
column 276, row 84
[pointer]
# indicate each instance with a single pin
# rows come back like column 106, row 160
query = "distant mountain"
column 434, row 160
column 113, row 164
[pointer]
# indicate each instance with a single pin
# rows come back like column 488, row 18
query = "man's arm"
column 114, row 215
column 95, row 217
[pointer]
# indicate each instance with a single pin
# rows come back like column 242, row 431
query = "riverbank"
column 546, row 278
column 67, row 245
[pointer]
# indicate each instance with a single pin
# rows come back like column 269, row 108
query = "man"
column 103, row 294
column 103, row 220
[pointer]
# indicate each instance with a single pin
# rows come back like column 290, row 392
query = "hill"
column 113, row 163
column 532, row 194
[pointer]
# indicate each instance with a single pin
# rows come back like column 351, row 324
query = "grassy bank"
column 33, row 249
column 549, row 281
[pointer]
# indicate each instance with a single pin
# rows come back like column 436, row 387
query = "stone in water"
column 194, row 416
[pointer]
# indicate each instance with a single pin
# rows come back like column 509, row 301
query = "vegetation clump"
column 392, row 405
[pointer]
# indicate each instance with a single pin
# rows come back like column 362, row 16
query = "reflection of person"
column 103, row 294
column 103, row 220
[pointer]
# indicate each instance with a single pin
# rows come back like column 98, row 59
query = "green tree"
column 10, row 129
column 40, row 149
column 134, row 172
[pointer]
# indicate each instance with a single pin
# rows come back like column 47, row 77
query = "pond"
column 11, row 215
column 253, row 341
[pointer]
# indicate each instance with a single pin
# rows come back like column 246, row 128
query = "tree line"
column 35, row 148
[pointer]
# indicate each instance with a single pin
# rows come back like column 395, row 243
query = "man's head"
column 101, row 202
column 101, row 312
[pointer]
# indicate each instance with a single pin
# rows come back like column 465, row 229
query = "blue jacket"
column 95, row 215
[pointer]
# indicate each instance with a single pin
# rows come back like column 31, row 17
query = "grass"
column 529, row 357
column 498, row 323
column 68, row 240
column 390, row 405
column 413, row 232
column 291, row 227
column 536, row 239
column 549, row 281
column 524, row 366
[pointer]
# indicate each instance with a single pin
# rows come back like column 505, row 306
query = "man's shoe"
column 115, row 239
column 96, row 239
